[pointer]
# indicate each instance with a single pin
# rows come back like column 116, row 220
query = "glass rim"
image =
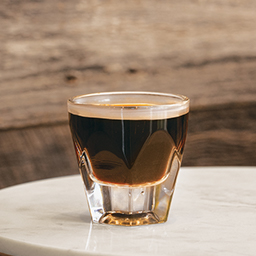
column 116, row 105
column 183, row 99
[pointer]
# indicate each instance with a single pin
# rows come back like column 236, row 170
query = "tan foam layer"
column 119, row 106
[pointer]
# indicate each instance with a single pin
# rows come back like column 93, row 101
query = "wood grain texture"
column 40, row 100
column 224, row 136
column 36, row 153
column 52, row 50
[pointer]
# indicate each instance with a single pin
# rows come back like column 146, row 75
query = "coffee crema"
column 129, row 106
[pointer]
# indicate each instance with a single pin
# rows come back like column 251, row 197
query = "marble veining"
column 212, row 213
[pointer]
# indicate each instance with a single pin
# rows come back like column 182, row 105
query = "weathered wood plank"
column 217, row 137
column 51, row 50
column 84, row 33
column 224, row 136
column 36, row 153
column 42, row 99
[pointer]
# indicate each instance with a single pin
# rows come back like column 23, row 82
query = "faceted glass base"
column 128, row 205
column 132, row 219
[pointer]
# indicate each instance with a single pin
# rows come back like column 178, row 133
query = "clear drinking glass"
column 129, row 147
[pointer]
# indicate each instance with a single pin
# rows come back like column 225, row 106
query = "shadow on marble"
column 72, row 217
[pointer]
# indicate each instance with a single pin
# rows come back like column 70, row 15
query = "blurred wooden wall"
column 52, row 50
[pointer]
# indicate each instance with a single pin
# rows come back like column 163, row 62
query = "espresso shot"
column 129, row 152
column 129, row 147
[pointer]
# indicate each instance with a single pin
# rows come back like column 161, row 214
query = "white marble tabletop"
column 213, row 213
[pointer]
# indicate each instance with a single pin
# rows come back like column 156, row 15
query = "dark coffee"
column 129, row 152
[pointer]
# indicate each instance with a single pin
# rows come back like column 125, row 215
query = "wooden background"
column 52, row 50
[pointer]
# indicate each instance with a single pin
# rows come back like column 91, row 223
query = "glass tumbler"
column 129, row 148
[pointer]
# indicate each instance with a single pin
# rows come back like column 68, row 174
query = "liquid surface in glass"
column 129, row 152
